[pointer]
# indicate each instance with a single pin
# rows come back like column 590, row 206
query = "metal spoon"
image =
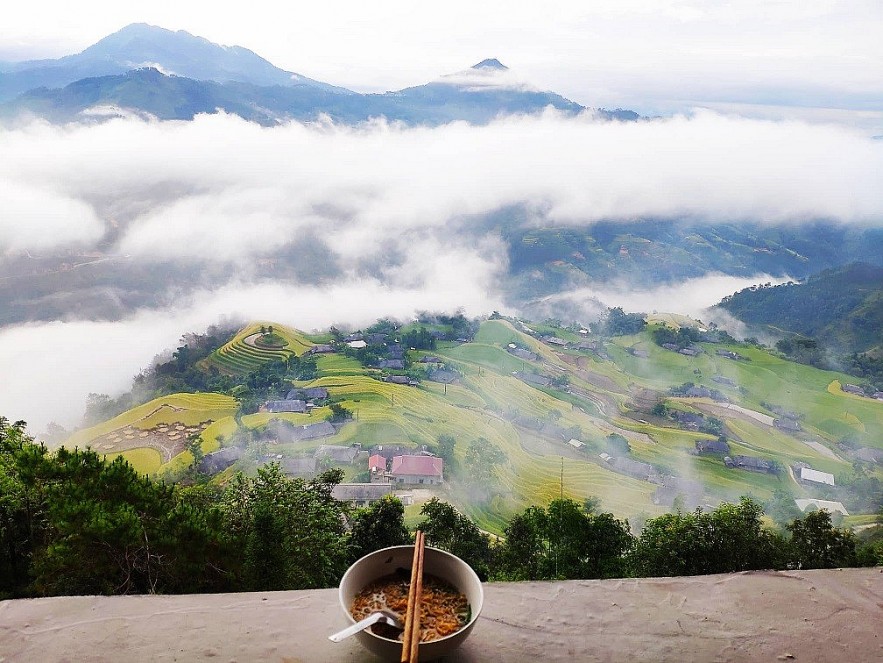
column 381, row 616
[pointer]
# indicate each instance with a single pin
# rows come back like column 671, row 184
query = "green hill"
column 842, row 308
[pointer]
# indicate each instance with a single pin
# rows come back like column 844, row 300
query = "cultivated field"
column 604, row 393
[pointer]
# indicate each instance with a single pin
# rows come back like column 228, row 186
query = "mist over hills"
column 169, row 75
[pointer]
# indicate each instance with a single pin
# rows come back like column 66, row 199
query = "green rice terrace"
column 573, row 413
column 255, row 345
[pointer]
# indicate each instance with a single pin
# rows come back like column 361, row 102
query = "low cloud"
column 235, row 188
column 692, row 297
column 56, row 365
column 311, row 225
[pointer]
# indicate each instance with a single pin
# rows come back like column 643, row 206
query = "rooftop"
column 759, row 616
column 430, row 466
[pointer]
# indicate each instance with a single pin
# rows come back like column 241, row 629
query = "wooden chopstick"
column 411, row 638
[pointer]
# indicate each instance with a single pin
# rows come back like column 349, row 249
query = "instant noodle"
column 443, row 611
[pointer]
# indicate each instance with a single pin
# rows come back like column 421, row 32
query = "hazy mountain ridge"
column 649, row 252
column 139, row 45
column 175, row 75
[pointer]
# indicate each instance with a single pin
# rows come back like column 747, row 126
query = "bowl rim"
column 475, row 613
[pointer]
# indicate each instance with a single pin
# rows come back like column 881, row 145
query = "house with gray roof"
column 285, row 406
column 632, row 468
column 713, row 447
column 361, row 494
column 308, row 393
column 338, row 454
column 533, row 379
column 442, row 375
column 299, row 467
column 220, row 460
column 751, row 463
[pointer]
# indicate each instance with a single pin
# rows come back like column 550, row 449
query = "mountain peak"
column 490, row 63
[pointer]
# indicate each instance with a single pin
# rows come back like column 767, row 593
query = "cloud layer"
column 222, row 188
column 311, row 225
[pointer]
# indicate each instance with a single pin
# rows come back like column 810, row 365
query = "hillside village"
column 609, row 413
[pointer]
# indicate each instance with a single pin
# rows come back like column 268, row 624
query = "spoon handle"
column 358, row 626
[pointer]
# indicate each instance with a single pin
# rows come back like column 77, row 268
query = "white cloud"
column 36, row 217
column 219, row 188
column 691, row 297
column 395, row 206
column 56, row 365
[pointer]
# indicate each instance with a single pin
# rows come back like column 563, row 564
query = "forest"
column 72, row 523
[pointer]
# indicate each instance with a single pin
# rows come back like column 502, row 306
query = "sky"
column 763, row 58
column 768, row 112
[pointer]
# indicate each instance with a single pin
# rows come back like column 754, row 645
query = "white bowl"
column 436, row 562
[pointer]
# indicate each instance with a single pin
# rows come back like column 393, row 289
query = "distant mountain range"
column 842, row 308
column 151, row 71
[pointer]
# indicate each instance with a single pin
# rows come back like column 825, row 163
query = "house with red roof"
column 377, row 463
column 427, row 470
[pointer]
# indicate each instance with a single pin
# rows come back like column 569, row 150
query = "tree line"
column 72, row 523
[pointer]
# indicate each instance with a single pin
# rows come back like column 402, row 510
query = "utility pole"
column 561, row 492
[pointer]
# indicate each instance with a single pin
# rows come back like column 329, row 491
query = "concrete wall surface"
column 756, row 616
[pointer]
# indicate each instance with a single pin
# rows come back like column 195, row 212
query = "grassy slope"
column 488, row 396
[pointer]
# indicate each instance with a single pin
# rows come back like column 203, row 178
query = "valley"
column 575, row 414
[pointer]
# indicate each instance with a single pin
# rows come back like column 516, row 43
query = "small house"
column 338, row 454
column 322, row 348
column 853, row 389
column 219, row 461
column 444, row 376
column 533, row 379
column 361, row 494
column 395, row 364
column 402, row 379
column 633, row 468
column 808, row 474
column 308, row 394
column 298, row 467
column 417, row 470
column 713, row 447
column 826, row 505
column 870, row 455
column 285, row 406
column 788, row 425
column 750, row 463
column 576, row 444
column 377, row 463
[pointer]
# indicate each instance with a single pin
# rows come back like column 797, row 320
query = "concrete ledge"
column 761, row 616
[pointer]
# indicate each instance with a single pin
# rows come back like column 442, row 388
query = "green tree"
column 291, row 531
column 728, row 539
column 817, row 544
column 564, row 541
column 450, row 530
column 380, row 525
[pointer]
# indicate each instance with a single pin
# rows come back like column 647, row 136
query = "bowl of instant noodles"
column 451, row 601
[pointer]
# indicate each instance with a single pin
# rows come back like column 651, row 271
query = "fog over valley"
column 120, row 236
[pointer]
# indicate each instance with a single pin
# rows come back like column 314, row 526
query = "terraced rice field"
column 598, row 399
column 241, row 356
